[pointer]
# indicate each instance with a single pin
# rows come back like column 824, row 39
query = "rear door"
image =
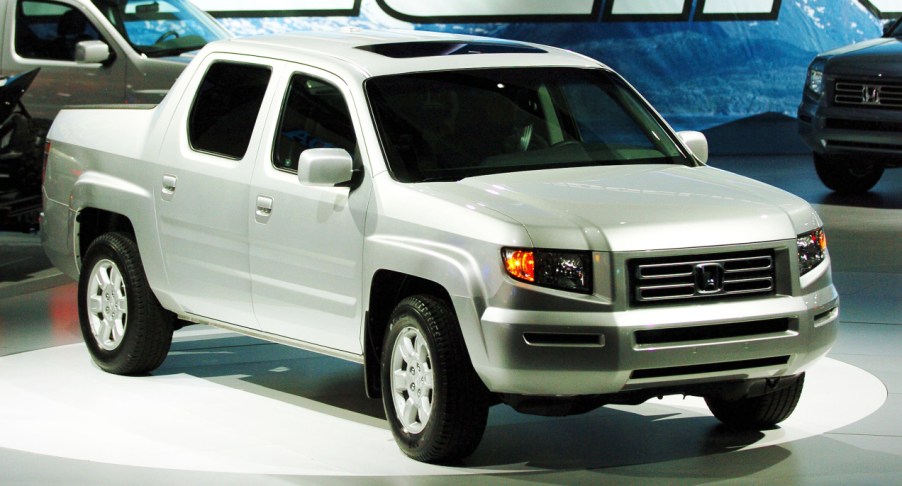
column 202, row 187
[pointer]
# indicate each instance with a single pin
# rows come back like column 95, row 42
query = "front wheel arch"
column 387, row 289
column 424, row 351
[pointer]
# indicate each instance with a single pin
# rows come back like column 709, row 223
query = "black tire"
column 459, row 401
column 124, row 341
column 847, row 176
column 757, row 413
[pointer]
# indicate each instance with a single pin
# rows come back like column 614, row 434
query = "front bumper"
column 850, row 131
column 671, row 347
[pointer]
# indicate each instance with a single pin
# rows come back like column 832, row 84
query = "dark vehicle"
column 851, row 111
column 21, row 149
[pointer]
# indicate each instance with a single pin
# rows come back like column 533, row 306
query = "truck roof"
column 399, row 51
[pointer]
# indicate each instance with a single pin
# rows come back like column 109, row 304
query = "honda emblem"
column 709, row 278
column 870, row 95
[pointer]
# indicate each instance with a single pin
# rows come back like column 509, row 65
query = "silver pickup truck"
column 474, row 221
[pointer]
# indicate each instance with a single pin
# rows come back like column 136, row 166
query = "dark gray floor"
column 37, row 311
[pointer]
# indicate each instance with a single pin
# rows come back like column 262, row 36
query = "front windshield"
column 158, row 28
column 451, row 125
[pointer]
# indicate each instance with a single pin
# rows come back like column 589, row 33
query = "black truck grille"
column 866, row 94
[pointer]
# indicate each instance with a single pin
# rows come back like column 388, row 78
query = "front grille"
column 861, row 93
column 690, row 278
column 708, row 368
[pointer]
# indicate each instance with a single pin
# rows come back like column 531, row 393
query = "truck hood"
column 635, row 208
column 876, row 56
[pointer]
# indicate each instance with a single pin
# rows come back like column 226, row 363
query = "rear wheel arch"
column 91, row 223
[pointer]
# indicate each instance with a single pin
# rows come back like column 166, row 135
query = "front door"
column 307, row 241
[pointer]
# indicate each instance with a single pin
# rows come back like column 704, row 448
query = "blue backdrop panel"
column 700, row 62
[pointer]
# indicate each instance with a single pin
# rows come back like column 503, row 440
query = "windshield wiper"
column 446, row 178
column 175, row 51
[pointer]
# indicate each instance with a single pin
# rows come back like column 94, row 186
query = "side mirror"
column 697, row 143
column 325, row 167
column 92, row 52
column 888, row 27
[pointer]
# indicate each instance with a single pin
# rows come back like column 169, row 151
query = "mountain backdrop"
column 696, row 73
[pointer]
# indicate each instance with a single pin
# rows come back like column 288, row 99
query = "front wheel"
column 847, row 176
column 125, row 328
column 434, row 401
column 761, row 412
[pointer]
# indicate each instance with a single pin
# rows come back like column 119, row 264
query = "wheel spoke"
column 122, row 303
column 400, row 380
column 424, row 408
column 422, row 351
column 409, row 415
column 428, row 379
column 116, row 279
column 103, row 331
column 95, row 305
column 117, row 330
column 407, row 351
column 103, row 275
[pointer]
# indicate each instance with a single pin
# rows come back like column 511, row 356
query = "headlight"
column 564, row 270
column 815, row 81
column 812, row 249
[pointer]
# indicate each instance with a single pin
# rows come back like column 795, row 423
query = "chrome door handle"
column 169, row 183
column 264, row 209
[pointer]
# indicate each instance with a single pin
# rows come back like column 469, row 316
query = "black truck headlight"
column 557, row 269
column 814, row 82
column 812, row 249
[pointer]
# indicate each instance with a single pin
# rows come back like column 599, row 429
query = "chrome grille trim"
column 862, row 93
column 659, row 280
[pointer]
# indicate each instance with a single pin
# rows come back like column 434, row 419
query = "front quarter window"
column 314, row 115
column 450, row 125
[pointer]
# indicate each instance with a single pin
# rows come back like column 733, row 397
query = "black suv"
column 851, row 111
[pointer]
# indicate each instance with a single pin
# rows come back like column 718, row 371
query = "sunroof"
column 448, row 48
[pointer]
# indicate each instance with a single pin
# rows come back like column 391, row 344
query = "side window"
column 314, row 115
column 50, row 30
column 226, row 108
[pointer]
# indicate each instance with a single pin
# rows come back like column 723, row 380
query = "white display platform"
column 56, row 402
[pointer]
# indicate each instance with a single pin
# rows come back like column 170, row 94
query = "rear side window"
column 315, row 115
column 50, row 30
column 226, row 107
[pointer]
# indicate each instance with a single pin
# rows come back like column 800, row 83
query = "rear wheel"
column 761, row 412
column 845, row 175
column 123, row 325
column 434, row 401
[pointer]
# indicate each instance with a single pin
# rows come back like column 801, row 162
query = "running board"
column 275, row 338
